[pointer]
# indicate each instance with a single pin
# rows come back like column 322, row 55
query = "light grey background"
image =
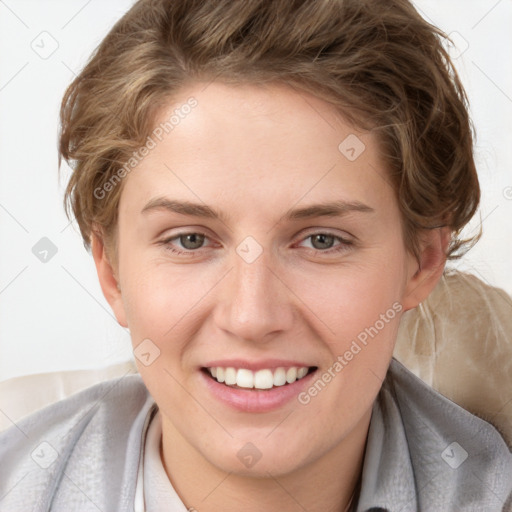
column 52, row 314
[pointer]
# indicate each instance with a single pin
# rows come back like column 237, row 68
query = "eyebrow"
column 329, row 209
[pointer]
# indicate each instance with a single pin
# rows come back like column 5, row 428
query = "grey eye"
column 324, row 241
column 191, row 240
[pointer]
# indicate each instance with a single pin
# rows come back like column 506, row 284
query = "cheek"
column 159, row 308
column 165, row 304
column 155, row 303
column 357, row 312
column 349, row 299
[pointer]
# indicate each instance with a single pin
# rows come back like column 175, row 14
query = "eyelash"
column 344, row 243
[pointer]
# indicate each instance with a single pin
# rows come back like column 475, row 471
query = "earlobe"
column 108, row 279
column 428, row 269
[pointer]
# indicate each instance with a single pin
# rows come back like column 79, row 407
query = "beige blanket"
column 460, row 342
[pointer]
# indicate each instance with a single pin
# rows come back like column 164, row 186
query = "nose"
column 254, row 302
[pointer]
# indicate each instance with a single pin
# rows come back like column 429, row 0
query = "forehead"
column 270, row 145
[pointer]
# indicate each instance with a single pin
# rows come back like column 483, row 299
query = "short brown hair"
column 377, row 61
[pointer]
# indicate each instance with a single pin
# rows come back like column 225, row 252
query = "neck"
column 325, row 484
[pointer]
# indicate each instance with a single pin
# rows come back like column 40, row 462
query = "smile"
column 260, row 379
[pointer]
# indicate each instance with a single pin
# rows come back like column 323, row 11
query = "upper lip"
column 270, row 364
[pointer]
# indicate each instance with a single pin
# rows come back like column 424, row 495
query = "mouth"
column 260, row 380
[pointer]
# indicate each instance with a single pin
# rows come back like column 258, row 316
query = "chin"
column 257, row 459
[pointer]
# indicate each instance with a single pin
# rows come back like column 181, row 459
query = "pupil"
column 195, row 239
column 325, row 241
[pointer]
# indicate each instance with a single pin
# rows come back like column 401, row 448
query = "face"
column 293, row 257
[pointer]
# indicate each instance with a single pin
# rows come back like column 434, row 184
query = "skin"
column 255, row 153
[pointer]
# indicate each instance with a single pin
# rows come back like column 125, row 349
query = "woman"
column 266, row 187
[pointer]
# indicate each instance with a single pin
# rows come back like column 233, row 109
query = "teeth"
column 280, row 377
column 244, row 378
column 291, row 375
column 230, row 376
column 262, row 379
column 301, row 372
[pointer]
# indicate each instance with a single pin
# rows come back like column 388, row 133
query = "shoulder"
column 421, row 404
column 98, row 428
column 455, row 455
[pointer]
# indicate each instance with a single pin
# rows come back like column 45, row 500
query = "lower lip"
column 256, row 400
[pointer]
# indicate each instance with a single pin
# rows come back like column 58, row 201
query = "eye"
column 325, row 242
column 190, row 242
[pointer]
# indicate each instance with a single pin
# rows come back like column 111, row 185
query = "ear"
column 425, row 271
column 108, row 279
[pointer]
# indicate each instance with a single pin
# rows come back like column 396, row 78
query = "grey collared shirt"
column 425, row 453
